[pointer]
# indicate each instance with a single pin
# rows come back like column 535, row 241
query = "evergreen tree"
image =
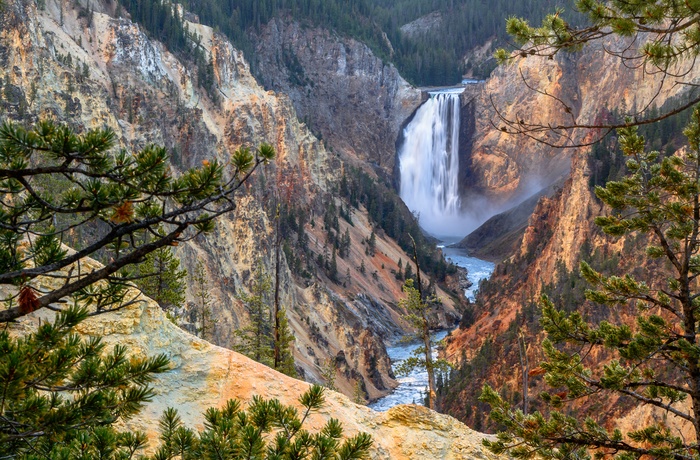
column 161, row 278
column 372, row 244
column 408, row 272
column 284, row 343
column 62, row 393
column 56, row 182
column 267, row 430
column 333, row 268
column 418, row 314
column 203, row 318
column 282, row 338
column 654, row 361
column 328, row 373
column 344, row 250
column 255, row 340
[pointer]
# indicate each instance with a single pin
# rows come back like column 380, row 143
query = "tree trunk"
column 425, row 333
column 276, row 333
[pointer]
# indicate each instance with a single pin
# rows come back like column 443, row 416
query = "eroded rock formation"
column 205, row 375
column 90, row 68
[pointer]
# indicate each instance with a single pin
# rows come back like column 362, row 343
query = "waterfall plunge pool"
column 412, row 387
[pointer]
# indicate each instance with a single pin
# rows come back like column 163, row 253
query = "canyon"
column 335, row 113
column 96, row 68
column 560, row 231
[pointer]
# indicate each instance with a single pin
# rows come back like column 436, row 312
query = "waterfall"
column 429, row 163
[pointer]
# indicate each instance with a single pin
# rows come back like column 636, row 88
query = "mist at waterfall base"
column 429, row 172
column 429, row 168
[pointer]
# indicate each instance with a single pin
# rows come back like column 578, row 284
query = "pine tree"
column 62, row 393
column 284, row 343
column 328, row 374
column 372, row 244
column 282, row 338
column 161, row 278
column 203, row 318
column 255, row 339
column 654, row 361
column 418, row 314
column 267, row 429
column 408, row 272
column 57, row 182
column 358, row 393
column 333, row 268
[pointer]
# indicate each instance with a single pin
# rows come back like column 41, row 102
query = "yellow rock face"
column 204, row 375
column 118, row 77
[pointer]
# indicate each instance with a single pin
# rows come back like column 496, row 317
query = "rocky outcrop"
column 349, row 97
column 423, row 25
column 89, row 68
column 204, row 375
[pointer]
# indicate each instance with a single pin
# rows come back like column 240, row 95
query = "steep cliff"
column 84, row 65
column 560, row 233
column 348, row 96
column 573, row 88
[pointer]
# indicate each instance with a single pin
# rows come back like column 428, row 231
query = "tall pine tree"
column 653, row 361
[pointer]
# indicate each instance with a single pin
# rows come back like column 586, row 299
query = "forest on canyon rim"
column 364, row 228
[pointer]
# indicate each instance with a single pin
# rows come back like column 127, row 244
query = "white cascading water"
column 429, row 163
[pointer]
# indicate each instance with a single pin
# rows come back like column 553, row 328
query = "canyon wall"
column 560, row 232
column 572, row 88
column 89, row 67
column 347, row 95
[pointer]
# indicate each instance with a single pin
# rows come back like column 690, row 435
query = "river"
column 412, row 387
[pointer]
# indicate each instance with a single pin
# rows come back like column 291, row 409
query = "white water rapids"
column 429, row 163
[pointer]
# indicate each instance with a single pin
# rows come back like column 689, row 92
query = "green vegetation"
column 418, row 314
column 434, row 57
column 201, row 313
column 62, row 393
column 160, row 277
column 419, row 317
column 653, row 361
column 430, row 58
column 266, row 430
column 257, row 340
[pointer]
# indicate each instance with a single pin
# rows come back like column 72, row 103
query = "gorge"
column 360, row 152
